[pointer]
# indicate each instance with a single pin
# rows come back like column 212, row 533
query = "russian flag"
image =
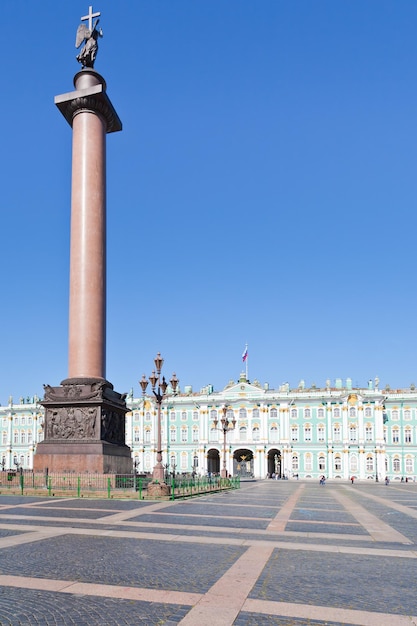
column 245, row 354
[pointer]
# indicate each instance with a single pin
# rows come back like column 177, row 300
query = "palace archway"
column 274, row 463
column 213, row 461
column 243, row 463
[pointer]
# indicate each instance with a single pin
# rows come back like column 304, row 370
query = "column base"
column 158, row 490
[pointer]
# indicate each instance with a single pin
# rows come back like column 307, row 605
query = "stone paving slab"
column 324, row 528
column 304, row 513
column 27, row 607
column 207, row 520
column 303, row 577
column 145, row 563
column 224, row 510
column 258, row 619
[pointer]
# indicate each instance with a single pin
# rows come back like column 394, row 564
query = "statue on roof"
column 89, row 36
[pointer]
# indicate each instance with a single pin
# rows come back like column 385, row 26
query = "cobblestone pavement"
column 272, row 553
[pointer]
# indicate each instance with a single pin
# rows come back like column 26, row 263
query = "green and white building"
column 337, row 431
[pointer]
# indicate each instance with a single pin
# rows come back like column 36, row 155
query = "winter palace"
column 337, row 431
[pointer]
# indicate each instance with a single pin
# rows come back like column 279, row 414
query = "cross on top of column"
column 90, row 16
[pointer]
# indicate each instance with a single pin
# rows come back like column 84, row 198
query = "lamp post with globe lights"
column 159, row 388
column 226, row 426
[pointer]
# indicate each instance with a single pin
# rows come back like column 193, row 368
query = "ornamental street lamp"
column 159, row 387
column 226, row 426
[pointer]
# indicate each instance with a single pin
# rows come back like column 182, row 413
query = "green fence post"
column 172, row 488
column 22, row 481
column 49, row 485
column 78, row 487
column 109, row 488
column 140, row 488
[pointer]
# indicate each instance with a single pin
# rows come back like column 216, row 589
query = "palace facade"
column 337, row 431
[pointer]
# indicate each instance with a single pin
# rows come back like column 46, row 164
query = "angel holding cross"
column 89, row 35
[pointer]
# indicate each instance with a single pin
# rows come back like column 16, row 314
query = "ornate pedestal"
column 84, row 429
column 158, row 490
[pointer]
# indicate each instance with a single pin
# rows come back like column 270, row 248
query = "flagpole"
column 246, row 361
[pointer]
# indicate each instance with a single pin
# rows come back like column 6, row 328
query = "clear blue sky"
column 263, row 190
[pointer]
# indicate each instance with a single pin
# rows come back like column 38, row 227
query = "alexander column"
column 84, row 426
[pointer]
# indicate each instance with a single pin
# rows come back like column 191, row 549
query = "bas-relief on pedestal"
column 84, row 428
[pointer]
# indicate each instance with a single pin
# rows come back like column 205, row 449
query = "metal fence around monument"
column 111, row 486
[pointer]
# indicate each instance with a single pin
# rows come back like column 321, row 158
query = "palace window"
column 320, row 413
column 294, row 433
column 184, row 461
column 255, row 433
column 369, row 434
column 147, row 436
column 307, row 432
column 30, row 437
column 195, row 416
column 353, row 461
column 308, row 462
column 322, row 463
column 407, row 435
column 214, row 434
column 336, row 432
column 369, row 464
column 230, row 415
column 242, row 414
column 396, row 465
column 242, row 433
column 294, row 463
column 273, row 434
column 274, row 413
column 4, row 438
column 172, row 416
column 394, row 414
column 23, row 420
column 30, row 420
column 184, row 435
column 16, row 437
column 395, row 435
column 336, row 412
column 213, row 415
column 353, row 434
column 136, row 435
column 407, row 414
column 320, row 433
column 147, row 461
column 307, row 413
column 337, row 463
column 294, row 414
column 409, row 468
column 147, row 416
column 173, row 435
column 368, row 411
column 255, row 413
column 136, row 417
column 352, row 412
column 184, row 416
column 195, row 435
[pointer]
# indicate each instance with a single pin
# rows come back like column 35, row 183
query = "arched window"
column 307, row 432
column 369, row 463
column 353, row 461
column 30, row 437
column 369, row 432
column 407, row 435
column 173, row 434
column 307, row 413
column 184, row 416
column 337, row 463
column 352, row 412
column 195, row 435
column 242, row 414
column 16, row 436
column 148, row 416
column 353, row 432
column 409, row 466
column 294, row 462
column 255, row 433
column 4, row 438
column 273, row 433
column 368, row 411
column 395, row 435
column 336, row 412
column 255, row 413
column 322, row 463
column 213, row 415
column 184, row 460
column 242, row 433
column 396, row 465
column 274, row 413
column 320, row 412
column 407, row 414
column 294, row 433
column 184, row 434
column 147, row 461
column 294, row 414
column 136, row 435
column 136, row 417
column 195, row 416
column 394, row 414
column 147, row 436
column 308, row 462
column 336, row 432
column 172, row 416
column 320, row 432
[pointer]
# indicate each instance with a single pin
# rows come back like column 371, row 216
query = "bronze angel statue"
column 89, row 37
